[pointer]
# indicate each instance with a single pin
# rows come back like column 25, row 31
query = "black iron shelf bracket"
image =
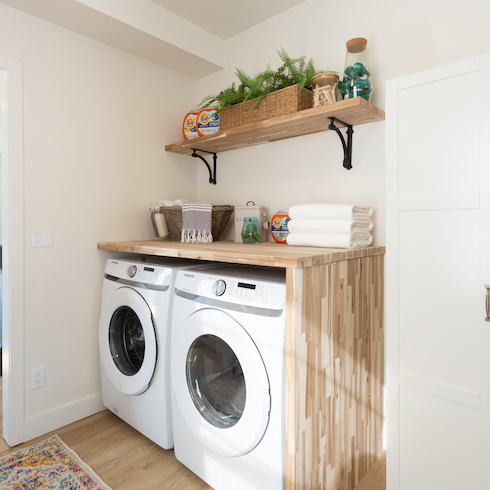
column 212, row 174
column 347, row 146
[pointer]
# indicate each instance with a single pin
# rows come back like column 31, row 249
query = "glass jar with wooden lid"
column 357, row 75
column 326, row 89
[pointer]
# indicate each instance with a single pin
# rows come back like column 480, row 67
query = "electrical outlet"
column 37, row 378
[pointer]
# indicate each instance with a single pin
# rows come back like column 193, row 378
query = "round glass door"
column 220, row 382
column 216, row 382
column 127, row 341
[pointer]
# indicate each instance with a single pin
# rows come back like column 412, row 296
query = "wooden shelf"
column 351, row 111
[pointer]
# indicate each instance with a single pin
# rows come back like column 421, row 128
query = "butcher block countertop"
column 268, row 253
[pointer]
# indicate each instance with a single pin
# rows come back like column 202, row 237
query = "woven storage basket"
column 278, row 103
column 219, row 219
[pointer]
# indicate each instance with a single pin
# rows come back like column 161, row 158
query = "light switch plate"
column 41, row 237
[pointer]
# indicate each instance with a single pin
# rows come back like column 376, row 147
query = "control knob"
column 132, row 269
column 219, row 287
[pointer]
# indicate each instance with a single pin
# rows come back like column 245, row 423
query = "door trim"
column 13, row 250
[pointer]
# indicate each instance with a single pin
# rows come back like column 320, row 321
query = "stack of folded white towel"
column 330, row 225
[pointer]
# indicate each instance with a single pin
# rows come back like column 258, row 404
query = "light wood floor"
column 127, row 460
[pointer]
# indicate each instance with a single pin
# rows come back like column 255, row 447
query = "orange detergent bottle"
column 190, row 125
column 279, row 226
column 207, row 122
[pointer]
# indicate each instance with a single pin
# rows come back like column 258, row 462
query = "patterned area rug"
column 49, row 464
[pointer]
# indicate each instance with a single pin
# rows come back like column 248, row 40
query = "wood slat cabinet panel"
column 335, row 373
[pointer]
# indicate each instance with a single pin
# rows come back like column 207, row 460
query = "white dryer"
column 228, row 375
column 134, row 343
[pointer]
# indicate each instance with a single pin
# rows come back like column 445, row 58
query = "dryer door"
column 127, row 340
column 220, row 382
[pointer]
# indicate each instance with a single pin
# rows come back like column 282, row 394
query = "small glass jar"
column 326, row 89
column 251, row 230
column 357, row 75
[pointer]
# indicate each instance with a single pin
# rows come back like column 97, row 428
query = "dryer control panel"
column 138, row 272
column 256, row 288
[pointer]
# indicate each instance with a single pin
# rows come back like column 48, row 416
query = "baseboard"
column 61, row 416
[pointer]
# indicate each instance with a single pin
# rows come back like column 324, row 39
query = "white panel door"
column 438, row 242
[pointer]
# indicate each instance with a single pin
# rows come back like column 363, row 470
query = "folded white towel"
column 329, row 211
column 155, row 206
column 330, row 226
column 196, row 222
column 330, row 241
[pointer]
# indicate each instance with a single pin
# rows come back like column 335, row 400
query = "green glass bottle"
column 251, row 230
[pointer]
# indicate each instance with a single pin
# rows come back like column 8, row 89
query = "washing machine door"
column 220, row 382
column 127, row 340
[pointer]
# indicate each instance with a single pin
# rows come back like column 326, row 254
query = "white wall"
column 96, row 121
column 403, row 37
column 95, row 125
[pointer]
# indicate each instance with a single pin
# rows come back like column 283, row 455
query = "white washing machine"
column 228, row 375
column 134, row 342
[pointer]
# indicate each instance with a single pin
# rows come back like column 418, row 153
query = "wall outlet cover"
column 41, row 237
column 37, row 378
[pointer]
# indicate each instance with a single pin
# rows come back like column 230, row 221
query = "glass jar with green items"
column 251, row 230
column 357, row 75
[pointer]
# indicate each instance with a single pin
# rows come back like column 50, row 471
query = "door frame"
column 11, row 144
column 484, row 270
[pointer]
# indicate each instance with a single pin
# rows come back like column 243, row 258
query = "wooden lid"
column 356, row 45
column 326, row 78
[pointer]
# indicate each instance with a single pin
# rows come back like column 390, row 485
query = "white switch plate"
column 41, row 237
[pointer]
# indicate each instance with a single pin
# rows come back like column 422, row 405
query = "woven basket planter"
column 278, row 103
column 173, row 217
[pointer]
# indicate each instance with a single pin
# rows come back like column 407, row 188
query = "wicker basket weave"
column 278, row 103
column 219, row 219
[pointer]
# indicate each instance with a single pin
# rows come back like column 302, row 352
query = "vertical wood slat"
column 335, row 373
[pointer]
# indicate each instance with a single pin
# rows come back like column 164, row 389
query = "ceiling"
column 187, row 36
column 227, row 18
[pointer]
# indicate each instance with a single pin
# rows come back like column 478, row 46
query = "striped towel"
column 196, row 222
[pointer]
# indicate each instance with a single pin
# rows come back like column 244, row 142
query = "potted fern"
column 270, row 93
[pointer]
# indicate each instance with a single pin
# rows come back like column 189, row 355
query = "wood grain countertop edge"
column 265, row 254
